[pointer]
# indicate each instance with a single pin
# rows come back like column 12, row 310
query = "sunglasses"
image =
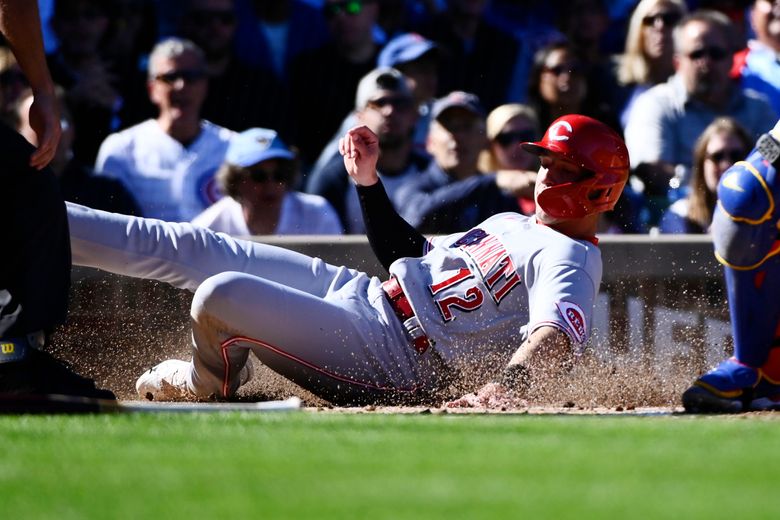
column 557, row 70
column 278, row 175
column 187, row 76
column 731, row 156
column 713, row 53
column 398, row 103
column 520, row 136
column 208, row 16
column 669, row 19
column 351, row 7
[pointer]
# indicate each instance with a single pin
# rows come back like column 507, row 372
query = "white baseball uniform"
column 337, row 331
column 300, row 214
column 168, row 180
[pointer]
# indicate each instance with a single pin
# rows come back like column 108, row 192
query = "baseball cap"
column 380, row 79
column 404, row 48
column 256, row 145
column 457, row 99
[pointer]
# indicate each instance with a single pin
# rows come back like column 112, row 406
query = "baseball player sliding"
column 745, row 234
column 515, row 289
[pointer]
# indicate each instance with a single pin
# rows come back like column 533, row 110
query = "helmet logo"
column 555, row 130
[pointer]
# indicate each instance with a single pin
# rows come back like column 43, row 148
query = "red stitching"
column 235, row 339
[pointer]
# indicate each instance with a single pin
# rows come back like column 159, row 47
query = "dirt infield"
column 114, row 335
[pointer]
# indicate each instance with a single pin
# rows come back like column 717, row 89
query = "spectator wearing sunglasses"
column 168, row 163
column 666, row 120
column 722, row 143
column 452, row 194
column 757, row 65
column 648, row 56
column 256, row 177
column 323, row 81
column 558, row 86
column 416, row 57
column 508, row 126
column 587, row 27
column 240, row 95
column 385, row 104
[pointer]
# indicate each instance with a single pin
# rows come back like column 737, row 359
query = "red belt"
column 400, row 304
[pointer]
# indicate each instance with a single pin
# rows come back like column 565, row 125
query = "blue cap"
column 403, row 49
column 458, row 99
column 255, row 146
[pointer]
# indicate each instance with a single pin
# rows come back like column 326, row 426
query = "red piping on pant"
column 276, row 350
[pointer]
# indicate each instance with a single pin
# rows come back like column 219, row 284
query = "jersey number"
column 499, row 283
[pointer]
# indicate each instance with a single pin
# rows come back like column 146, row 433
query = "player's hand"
column 45, row 120
column 492, row 396
column 360, row 149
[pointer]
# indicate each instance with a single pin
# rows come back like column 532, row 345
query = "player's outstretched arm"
column 360, row 149
column 20, row 24
column 546, row 353
column 390, row 236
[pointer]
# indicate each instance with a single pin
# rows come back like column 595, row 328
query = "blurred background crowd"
column 227, row 113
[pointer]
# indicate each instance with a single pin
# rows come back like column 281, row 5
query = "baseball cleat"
column 166, row 382
column 39, row 373
column 169, row 381
column 732, row 387
column 766, row 395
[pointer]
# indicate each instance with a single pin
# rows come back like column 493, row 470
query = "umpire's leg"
column 35, row 245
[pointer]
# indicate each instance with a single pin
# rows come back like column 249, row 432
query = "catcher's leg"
column 745, row 234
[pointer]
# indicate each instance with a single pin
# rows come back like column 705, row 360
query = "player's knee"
column 214, row 294
column 744, row 195
column 742, row 245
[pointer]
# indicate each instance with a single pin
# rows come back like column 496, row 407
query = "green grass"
column 375, row 466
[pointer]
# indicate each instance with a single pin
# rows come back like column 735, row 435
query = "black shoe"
column 39, row 373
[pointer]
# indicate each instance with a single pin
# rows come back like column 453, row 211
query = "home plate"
column 65, row 404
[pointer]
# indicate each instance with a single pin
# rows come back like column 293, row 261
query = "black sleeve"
column 390, row 236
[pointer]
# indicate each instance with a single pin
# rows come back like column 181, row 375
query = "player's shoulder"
column 562, row 249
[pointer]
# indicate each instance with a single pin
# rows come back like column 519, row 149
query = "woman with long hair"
column 648, row 58
column 722, row 143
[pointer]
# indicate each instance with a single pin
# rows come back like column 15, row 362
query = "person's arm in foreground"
column 21, row 26
column 390, row 236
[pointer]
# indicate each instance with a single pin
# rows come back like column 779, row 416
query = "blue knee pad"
column 745, row 225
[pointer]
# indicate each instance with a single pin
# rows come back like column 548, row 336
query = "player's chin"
column 545, row 218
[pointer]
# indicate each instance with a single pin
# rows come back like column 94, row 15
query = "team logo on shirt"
column 207, row 190
column 575, row 320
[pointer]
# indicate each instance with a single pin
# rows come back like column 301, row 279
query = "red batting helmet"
column 595, row 147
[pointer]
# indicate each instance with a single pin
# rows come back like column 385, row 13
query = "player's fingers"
column 44, row 153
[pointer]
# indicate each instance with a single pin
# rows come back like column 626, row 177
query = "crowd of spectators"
column 157, row 93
